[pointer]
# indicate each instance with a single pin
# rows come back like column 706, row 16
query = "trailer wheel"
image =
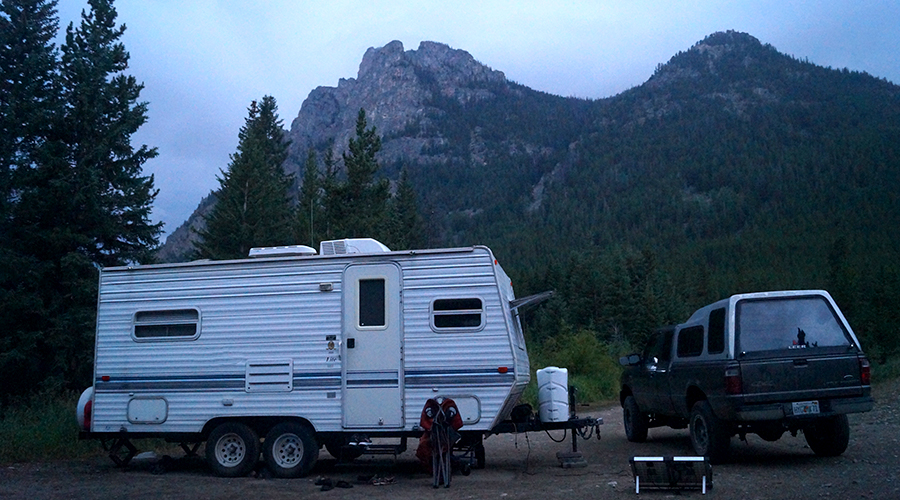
column 291, row 450
column 232, row 449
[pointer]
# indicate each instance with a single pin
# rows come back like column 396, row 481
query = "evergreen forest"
column 73, row 196
column 733, row 169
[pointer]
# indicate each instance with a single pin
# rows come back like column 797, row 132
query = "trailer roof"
column 348, row 257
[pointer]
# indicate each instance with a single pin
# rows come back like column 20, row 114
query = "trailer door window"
column 180, row 324
column 465, row 314
column 371, row 303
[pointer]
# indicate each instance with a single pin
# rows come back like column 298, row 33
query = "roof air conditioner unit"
column 286, row 251
column 352, row 245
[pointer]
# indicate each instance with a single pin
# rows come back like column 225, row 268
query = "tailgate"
column 801, row 378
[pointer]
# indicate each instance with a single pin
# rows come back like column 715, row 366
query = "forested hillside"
column 734, row 168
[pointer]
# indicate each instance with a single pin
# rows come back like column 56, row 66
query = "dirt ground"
column 518, row 466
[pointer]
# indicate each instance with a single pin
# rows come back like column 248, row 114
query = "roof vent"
column 352, row 245
column 286, row 251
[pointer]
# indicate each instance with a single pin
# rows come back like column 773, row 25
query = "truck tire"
column 828, row 436
column 290, row 449
column 709, row 435
column 232, row 450
column 635, row 421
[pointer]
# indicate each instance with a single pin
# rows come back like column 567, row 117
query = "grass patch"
column 42, row 428
column 592, row 365
column 889, row 370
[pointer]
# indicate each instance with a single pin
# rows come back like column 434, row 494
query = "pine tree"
column 252, row 207
column 330, row 191
column 112, row 199
column 309, row 204
column 80, row 199
column 360, row 206
column 406, row 223
column 29, row 91
column 29, row 105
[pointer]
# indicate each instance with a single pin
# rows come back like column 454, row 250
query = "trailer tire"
column 232, row 449
column 291, row 450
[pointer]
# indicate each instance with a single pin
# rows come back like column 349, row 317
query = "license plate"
column 806, row 408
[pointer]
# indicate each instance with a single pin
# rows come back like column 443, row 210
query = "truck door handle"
column 351, row 343
column 801, row 363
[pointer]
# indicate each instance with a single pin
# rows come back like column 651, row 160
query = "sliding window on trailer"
column 457, row 315
column 167, row 325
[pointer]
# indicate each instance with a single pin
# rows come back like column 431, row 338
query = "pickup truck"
column 763, row 363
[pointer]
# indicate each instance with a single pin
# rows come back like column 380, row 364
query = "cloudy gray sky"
column 202, row 61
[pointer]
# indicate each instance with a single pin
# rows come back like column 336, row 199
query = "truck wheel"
column 290, row 450
column 709, row 436
column 232, row 449
column 635, row 421
column 828, row 436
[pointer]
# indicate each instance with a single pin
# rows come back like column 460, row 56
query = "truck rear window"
column 788, row 323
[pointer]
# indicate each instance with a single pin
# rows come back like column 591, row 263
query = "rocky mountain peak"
column 394, row 86
column 729, row 67
column 727, row 41
column 723, row 53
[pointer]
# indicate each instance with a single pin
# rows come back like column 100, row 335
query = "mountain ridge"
column 479, row 146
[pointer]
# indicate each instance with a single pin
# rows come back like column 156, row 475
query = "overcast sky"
column 202, row 62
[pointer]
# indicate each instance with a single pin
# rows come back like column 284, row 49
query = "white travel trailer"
column 303, row 350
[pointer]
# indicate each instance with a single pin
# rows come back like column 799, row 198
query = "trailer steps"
column 368, row 448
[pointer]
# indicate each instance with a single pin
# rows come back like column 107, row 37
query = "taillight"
column 733, row 384
column 87, row 414
column 865, row 371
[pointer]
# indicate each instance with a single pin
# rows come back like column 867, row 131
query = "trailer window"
column 171, row 324
column 371, row 302
column 465, row 314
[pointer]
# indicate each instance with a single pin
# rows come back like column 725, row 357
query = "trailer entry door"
column 372, row 368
